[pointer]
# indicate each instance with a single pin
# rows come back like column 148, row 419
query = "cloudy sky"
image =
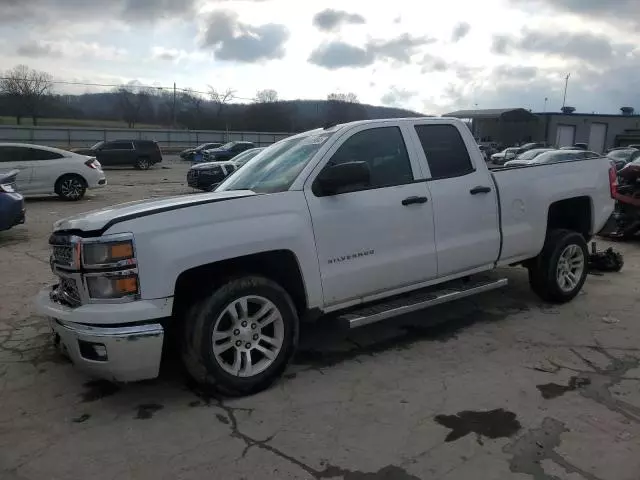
column 432, row 56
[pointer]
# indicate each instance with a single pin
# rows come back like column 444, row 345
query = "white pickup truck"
column 363, row 221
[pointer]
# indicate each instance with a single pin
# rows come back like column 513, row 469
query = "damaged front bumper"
column 121, row 352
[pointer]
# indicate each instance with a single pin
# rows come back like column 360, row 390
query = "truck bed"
column 526, row 193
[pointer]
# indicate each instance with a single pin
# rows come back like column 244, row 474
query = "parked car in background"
column 191, row 154
column 11, row 202
column 46, row 170
column 554, row 156
column 227, row 151
column 507, row 154
column 621, row 157
column 531, row 154
column 140, row 154
column 245, row 156
column 207, row 176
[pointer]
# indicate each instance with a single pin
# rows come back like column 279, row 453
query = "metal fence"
column 67, row 137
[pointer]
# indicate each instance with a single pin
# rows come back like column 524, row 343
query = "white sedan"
column 46, row 170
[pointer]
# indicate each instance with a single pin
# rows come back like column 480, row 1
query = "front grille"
column 63, row 255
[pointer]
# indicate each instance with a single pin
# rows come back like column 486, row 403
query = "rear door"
column 117, row 153
column 14, row 158
column 47, row 167
column 464, row 200
column 377, row 238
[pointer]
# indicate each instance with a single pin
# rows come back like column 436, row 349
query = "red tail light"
column 93, row 163
column 613, row 181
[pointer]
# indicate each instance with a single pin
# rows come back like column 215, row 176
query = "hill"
column 149, row 109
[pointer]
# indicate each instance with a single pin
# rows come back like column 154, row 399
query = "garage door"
column 565, row 135
column 597, row 136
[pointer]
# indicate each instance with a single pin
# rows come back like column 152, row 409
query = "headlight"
column 110, row 286
column 108, row 254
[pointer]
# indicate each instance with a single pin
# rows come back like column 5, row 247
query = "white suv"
column 45, row 170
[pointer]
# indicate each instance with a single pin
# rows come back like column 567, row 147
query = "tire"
column 556, row 275
column 143, row 163
column 71, row 187
column 227, row 368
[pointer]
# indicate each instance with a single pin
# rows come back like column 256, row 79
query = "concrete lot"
column 497, row 387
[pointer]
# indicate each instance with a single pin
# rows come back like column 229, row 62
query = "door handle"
column 414, row 200
column 479, row 189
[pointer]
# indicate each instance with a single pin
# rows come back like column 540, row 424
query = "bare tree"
column 343, row 97
column 221, row 98
column 193, row 101
column 266, row 96
column 132, row 99
column 28, row 88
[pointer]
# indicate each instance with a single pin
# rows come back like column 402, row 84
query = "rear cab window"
column 37, row 154
column 446, row 152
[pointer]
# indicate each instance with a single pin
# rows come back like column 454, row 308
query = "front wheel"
column 71, row 187
column 241, row 338
column 559, row 272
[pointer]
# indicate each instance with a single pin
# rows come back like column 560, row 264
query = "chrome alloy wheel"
column 71, row 188
column 570, row 269
column 247, row 336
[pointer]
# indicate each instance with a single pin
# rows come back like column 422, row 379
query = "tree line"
column 28, row 93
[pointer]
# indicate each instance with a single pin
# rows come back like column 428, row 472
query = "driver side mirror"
column 339, row 177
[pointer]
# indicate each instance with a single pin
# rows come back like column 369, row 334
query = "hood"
column 518, row 163
column 8, row 176
column 205, row 165
column 102, row 219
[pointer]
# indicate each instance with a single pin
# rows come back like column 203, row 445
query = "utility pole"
column 566, row 84
column 173, row 116
column 546, row 99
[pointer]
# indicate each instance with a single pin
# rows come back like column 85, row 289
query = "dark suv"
column 227, row 151
column 140, row 154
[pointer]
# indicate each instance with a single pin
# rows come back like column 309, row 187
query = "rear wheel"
column 143, row 163
column 240, row 339
column 559, row 272
column 71, row 187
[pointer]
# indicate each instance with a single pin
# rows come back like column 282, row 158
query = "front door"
column 374, row 239
column 465, row 202
column 15, row 158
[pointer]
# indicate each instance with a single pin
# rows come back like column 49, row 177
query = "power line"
column 119, row 85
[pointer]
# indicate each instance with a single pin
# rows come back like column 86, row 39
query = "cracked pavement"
column 499, row 384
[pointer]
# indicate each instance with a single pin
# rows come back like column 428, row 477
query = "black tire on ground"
column 543, row 271
column 71, row 187
column 200, row 324
column 143, row 163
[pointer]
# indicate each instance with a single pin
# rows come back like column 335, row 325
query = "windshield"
column 620, row 154
column 276, row 167
column 206, row 146
column 97, row 146
column 228, row 146
column 244, row 157
column 552, row 157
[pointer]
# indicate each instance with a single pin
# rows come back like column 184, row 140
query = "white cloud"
column 369, row 50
